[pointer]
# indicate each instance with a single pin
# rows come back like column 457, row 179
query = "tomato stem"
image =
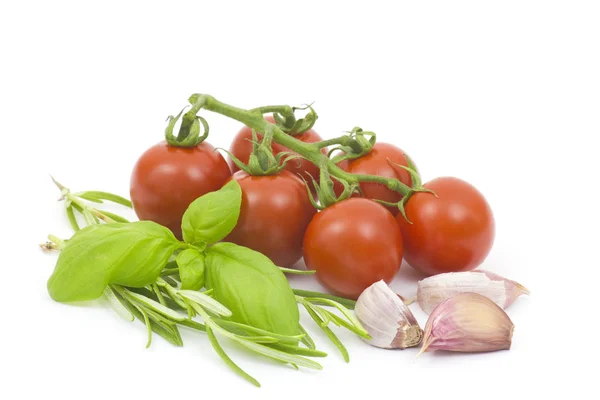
column 342, row 141
column 188, row 119
column 358, row 144
column 283, row 110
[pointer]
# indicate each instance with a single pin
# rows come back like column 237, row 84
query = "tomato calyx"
column 262, row 161
column 417, row 186
column 194, row 128
column 324, row 190
column 359, row 143
column 286, row 120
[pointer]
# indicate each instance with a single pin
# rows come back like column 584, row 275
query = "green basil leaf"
column 131, row 254
column 191, row 269
column 253, row 288
column 211, row 217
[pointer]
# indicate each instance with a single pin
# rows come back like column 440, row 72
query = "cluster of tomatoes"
column 352, row 243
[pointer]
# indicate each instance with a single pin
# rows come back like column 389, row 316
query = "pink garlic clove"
column 433, row 290
column 468, row 322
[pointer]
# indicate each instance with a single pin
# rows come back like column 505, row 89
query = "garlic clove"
column 433, row 290
column 468, row 322
column 388, row 320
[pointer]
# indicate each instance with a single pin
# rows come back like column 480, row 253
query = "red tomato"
column 241, row 147
column 166, row 179
column 376, row 163
column 353, row 244
column 275, row 213
column 452, row 233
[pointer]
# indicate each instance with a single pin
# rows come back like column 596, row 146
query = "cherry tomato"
column 275, row 213
column 353, row 244
column 241, row 147
column 376, row 163
column 452, row 233
column 166, row 179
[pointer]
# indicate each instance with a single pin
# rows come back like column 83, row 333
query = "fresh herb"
column 191, row 269
column 130, row 254
column 253, row 288
column 146, row 273
column 212, row 216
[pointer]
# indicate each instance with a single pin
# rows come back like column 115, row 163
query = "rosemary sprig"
column 75, row 203
column 323, row 317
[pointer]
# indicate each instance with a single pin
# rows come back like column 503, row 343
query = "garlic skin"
column 433, row 290
column 388, row 320
column 468, row 322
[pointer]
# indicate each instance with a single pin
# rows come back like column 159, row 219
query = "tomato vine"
column 355, row 144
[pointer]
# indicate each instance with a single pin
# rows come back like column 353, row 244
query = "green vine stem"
column 310, row 151
column 286, row 120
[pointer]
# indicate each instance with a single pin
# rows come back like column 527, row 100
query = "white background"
column 505, row 95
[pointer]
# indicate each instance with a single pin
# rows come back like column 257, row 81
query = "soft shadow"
column 409, row 274
column 405, row 282
column 456, row 354
column 302, row 280
column 97, row 303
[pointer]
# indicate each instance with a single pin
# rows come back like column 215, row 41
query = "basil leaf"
column 191, row 269
column 253, row 288
column 131, row 254
column 211, row 217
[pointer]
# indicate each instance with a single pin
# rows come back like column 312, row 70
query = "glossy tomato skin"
column 376, row 163
column 275, row 213
column 166, row 179
column 353, row 244
column 241, row 147
column 452, row 233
